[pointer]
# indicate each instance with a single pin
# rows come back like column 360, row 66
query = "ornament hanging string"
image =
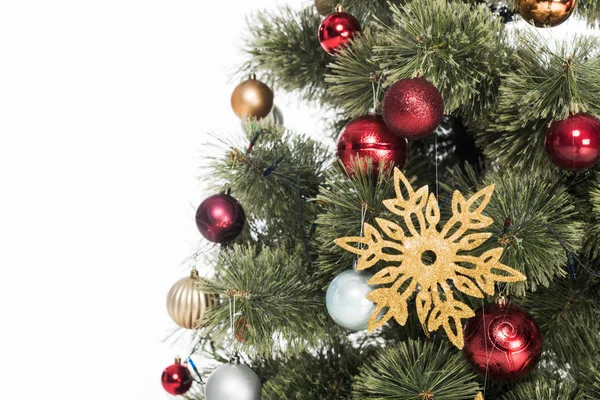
column 232, row 295
column 376, row 90
column 501, row 299
column 437, row 183
column 363, row 216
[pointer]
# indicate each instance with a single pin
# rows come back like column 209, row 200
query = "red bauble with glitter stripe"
column 412, row 108
column 176, row 379
column 368, row 137
column 503, row 342
column 574, row 143
column 337, row 29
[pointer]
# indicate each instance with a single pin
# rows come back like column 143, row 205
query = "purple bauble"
column 220, row 218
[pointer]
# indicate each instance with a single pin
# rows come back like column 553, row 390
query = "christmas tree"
column 446, row 248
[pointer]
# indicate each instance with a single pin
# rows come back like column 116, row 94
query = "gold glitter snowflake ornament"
column 426, row 259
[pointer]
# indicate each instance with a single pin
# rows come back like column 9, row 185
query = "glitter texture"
column 412, row 108
column 409, row 249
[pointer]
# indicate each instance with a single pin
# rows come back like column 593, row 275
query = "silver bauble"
column 346, row 300
column 233, row 382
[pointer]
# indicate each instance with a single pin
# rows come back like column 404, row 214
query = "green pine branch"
column 533, row 202
column 460, row 48
column 283, row 45
column 355, row 75
column 416, row 370
column 568, row 313
column 592, row 244
column 325, row 373
column 548, row 81
column 275, row 204
column 273, row 292
column 545, row 390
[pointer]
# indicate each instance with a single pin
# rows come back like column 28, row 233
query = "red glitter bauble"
column 503, row 341
column 337, row 29
column 574, row 143
column 412, row 108
column 176, row 378
column 368, row 137
column 220, row 218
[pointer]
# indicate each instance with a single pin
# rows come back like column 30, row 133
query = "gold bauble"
column 547, row 13
column 186, row 304
column 252, row 99
column 324, row 7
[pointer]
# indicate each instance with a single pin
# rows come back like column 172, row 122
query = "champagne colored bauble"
column 346, row 300
column 220, row 218
column 547, row 13
column 252, row 99
column 574, row 143
column 337, row 29
column 186, row 304
column 503, row 341
column 176, row 379
column 233, row 382
column 324, row 7
column 412, row 108
column 368, row 137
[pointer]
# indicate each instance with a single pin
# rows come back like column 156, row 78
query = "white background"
column 104, row 110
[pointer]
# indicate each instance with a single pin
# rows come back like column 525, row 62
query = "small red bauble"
column 220, row 218
column 337, row 29
column 368, row 137
column 176, row 378
column 574, row 143
column 503, row 341
column 412, row 108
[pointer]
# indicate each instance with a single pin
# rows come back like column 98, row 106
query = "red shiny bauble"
column 176, row 378
column 368, row 137
column 503, row 341
column 337, row 29
column 574, row 143
column 412, row 108
column 220, row 218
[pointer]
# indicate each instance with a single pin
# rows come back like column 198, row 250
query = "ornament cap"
column 502, row 301
column 177, row 360
column 372, row 111
column 194, row 273
column 252, row 76
column 339, row 8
